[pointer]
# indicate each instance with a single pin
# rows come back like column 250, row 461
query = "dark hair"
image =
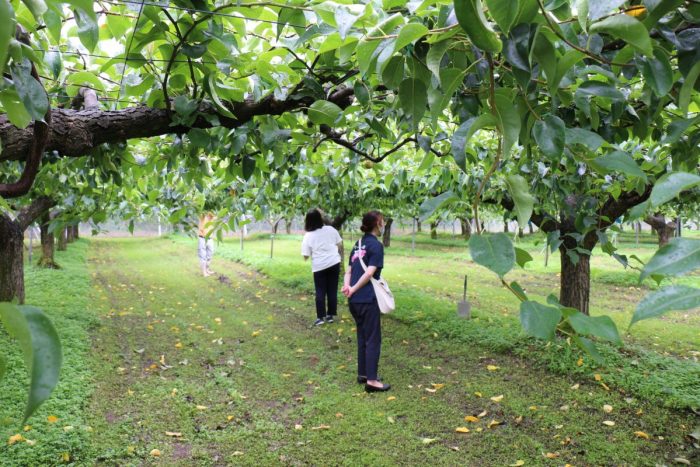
column 370, row 221
column 313, row 220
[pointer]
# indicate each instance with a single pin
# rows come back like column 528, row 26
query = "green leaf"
column 601, row 327
column 550, row 135
column 495, row 252
column 590, row 348
column 214, row 93
column 248, row 166
column 524, row 201
column 671, row 185
column 522, row 257
column 672, row 298
column 687, row 88
column 7, row 31
column 543, row 52
column 29, row 90
column 587, row 138
column 361, row 92
column 539, row 320
column 434, row 57
column 430, row 205
column 618, row 161
column 37, row 7
column 679, row 256
column 509, row 120
column 599, row 8
column 3, row 367
column 88, row 32
column 626, row 28
column 582, row 8
column 408, row 34
column 504, row 12
column 413, row 97
column 324, row 113
column 465, row 131
column 54, row 62
column 657, row 72
column 344, row 19
column 16, row 112
column 83, row 78
column 599, row 89
column 41, row 347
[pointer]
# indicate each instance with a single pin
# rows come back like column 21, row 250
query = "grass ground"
column 175, row 369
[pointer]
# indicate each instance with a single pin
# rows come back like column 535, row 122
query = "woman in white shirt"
column 322, row 243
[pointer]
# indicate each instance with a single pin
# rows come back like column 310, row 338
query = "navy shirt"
column 373, row 255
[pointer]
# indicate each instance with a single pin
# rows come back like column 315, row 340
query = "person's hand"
column 347, row 291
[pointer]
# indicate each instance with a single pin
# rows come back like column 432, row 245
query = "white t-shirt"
column 321, row 246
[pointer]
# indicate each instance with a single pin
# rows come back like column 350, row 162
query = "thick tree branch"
column 74, row 133
column 36, row 209
column 337, row 138
column 35, row 150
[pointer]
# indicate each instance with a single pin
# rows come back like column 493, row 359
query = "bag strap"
column 359, row 254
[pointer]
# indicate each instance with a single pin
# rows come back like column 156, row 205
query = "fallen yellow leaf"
column 518, row 463
column 339, row 415
column 178, row 345
column 321, row 427
column 173, row 434
column 27, row 428
column 609, row 423
column 437, row 386
column 492, row 367
column 483, row 414
column 52, row 419
column 478, row 394
column 298, row 427
column 533, row 407
column 462, row 429
column 641, row 434
column 471, row 419
column 607, row 408
column 551, row 455
column 493, row 423
column 256, row 333
column 391, row 398
column 66, row 457
column 155, row 453
column 202, row 407
column 230, row 418
column 15, row 439
column 497, row 398
column 597, row 377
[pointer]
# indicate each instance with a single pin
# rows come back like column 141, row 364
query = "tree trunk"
column 506, row 229
column 11, row 260
column 288, row 226
column 575, row 283
column 466, row 228
column 529, row 226
column 663, row 229
column 47, row 244
column 418, row 226
column 62, row 240
column 520, row 232
column 275, row 226
column 69, row 234
column 76, row 232
column 433, row 230
column 386, row 239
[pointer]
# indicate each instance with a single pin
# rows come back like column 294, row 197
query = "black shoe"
column 318, row 322
column 329, row 319
column 383, row 388
column 363, row 380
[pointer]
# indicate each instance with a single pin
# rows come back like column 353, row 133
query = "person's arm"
column 305, row 248
column 348, row 290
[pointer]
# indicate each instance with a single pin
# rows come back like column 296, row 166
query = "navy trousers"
column 369, row 337
column 326, row 283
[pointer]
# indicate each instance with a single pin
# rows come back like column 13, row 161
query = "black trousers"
column 326, row 283
column 369, row 337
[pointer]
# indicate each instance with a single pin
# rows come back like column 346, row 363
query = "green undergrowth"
column 63, row 295
column 633, row 369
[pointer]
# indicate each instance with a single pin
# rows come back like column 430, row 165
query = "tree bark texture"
column 62, row 240
column 433, row 230
column 419, row 226
column 575, row 282
column 466, row 228
column 386, row 238
column 47, row 244
column 664, row 230
column 12, row 248
column 11, row 260
column 69, row 234
column 76, row 232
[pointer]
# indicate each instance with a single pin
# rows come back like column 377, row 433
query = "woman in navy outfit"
column 363, row 302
